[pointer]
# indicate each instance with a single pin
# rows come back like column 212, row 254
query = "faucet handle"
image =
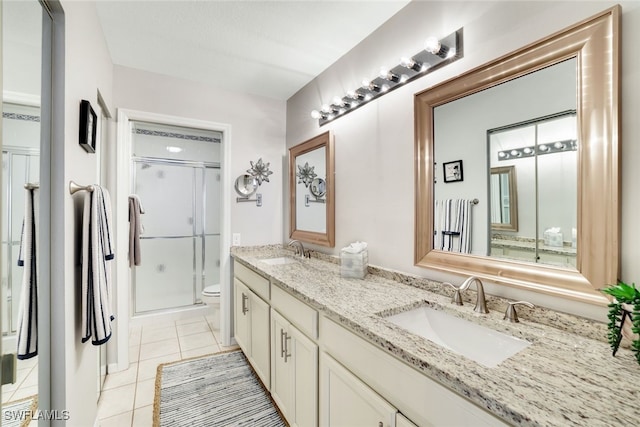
column 457, row 298
column 510, row 314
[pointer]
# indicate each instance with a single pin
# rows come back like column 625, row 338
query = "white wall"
column 88, row 68
column 257, row 131
column 375, row 143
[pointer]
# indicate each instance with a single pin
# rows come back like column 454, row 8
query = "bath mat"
column 19, row 412
column 216, row 390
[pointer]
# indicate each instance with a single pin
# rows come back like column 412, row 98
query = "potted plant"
column 624, row 307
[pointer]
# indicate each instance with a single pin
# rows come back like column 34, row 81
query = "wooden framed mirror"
column 590, row 51
column 503, row 198
column 312, row 191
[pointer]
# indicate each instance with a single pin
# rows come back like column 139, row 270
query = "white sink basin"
column 476, row 342
column 278, row 261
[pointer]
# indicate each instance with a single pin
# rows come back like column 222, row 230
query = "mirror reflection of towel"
column 27, row 330
column 135, row 229
column 452, row 225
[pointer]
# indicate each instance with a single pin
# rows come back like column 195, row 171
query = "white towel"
column 452, row 226
column 28, row 309
column 135, row 229
column 97, row 253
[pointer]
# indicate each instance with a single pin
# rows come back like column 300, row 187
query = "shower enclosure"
column 176, row 174
column 20, row 165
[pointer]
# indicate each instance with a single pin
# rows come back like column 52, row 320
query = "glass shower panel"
column 166, row 194
column 166, row 281
column 177, row 143
column 199, row 268
column 5, row 240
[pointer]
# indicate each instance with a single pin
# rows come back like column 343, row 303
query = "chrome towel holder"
column 74, row 187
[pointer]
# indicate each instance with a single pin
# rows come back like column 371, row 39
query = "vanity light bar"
column 552, row 147
column 437, row 53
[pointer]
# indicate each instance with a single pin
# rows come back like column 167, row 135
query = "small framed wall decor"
column 453, row 171
column 88, row 125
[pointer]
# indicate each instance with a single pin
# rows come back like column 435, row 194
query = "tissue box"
column 553, row 238
column 354, row 265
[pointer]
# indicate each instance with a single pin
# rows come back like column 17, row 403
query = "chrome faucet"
column 481, row 302
column 297, row 245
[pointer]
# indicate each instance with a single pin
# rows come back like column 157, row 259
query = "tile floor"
column 127, row 397
column 26, row 381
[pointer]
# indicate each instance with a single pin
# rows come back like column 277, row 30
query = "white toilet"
column 211, row 297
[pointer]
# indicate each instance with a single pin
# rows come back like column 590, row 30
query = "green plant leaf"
column 622, row 292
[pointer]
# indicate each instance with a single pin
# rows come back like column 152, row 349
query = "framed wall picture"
column 88, row 125
column 453, row 171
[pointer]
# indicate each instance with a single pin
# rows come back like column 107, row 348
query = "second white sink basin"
column 278, row 261
column 476, row 342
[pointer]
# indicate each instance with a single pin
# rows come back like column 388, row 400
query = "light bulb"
column 352, row 94
column 543, row 147
column 407, row 62
column 502, row 154
column 366, row 83
column 338, row 101
column 432, row 45
column 514, row 152
column 325, row 108
column 384, row 73
column 559, row 145
column 316, row 114
column 527, row 150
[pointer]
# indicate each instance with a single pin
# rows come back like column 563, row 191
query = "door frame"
column 123, row 185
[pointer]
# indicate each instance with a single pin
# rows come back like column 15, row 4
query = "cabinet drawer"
column 253, row 280
column 300, row 314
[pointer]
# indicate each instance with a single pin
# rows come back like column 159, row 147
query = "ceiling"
column 268, row 48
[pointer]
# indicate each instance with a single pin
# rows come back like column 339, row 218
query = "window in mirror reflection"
column 534, row 172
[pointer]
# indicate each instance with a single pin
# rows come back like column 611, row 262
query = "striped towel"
column 28, row 309
column 135, row 229
column 97, row 252
column 452, row 225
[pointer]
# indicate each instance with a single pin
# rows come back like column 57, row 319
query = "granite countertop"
column 567, row 377
column 530, row 245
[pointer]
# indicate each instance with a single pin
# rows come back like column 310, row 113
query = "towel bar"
column 74, row 188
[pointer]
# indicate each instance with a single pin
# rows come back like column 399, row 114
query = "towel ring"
column 74, row 188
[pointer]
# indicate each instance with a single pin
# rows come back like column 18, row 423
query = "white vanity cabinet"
column 345, row 401
column 424, row 401
column 294, row 372
column 251, row 320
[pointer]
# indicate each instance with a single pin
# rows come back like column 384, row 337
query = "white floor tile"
column 118, row 379
column 145, row 391
column 159, row 348
column 147, row 368
column 193, row 328
column 202, row 351
column 116, row 401
column 121, row 420
column 190, row 342
column 143, row 417
column 154, row 335
column 134, row 353
column 158, row 324
column 23, row 392
column 187, row 320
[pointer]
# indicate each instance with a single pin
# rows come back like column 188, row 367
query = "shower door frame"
column 124, row 152
column 195, row 165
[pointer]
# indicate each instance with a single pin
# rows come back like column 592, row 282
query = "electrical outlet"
column 236, row 239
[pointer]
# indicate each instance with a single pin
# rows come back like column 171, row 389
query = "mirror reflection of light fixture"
column 247, row 184
column 556, row 147
column 436, row 53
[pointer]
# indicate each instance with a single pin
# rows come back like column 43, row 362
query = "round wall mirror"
column 246, row 185
column 318, row 187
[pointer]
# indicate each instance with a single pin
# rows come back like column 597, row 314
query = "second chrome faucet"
column 481, row 302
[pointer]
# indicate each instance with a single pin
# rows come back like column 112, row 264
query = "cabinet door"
column 241, row 315
column 281, row 384
column 259, row 326
column 345, row 401
column 304, row 365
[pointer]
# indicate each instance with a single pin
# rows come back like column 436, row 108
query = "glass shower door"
column 166, row 277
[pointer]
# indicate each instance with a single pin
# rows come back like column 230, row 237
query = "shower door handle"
column 245, row 308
